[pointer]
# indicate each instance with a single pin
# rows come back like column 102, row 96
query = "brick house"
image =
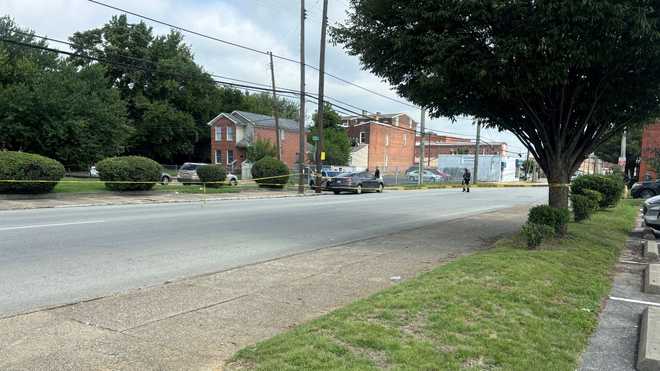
column 435, row 145
column 383, row 140
column 650, row 146
column 232, row 133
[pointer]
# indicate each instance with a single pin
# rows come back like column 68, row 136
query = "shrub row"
column 143, row 173
column 213, row 176
column 22, row 166
column 610, row 187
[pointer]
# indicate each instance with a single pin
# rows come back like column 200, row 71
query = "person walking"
column 377, row 173
column 466, row 180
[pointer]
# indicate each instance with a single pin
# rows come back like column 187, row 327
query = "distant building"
column 232, row 133
column 436, row 145
column 383, row 140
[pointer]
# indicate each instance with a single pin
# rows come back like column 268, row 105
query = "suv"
column 645, row 190
column 187, row 174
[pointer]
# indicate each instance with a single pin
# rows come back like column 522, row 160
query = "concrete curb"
column 456, row 186
column 648, row 353
column 651, row 250
column 652, row 279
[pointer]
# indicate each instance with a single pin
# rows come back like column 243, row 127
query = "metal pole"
column 275, row 114
column 301, row 123
column 421, row 146
column 622, row 156
column 319, row 115
column 476, row 154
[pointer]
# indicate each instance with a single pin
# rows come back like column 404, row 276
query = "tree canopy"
column 563, row 76
column 610, row 150
column 336, row 143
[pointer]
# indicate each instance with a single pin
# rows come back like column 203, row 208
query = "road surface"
column 57, row 256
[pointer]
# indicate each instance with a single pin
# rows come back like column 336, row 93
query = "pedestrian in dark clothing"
column 377, row 173
column 466, row 180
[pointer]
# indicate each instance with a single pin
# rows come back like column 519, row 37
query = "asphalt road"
column 57, row 256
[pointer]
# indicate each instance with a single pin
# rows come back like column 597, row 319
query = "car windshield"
column 188, row 167
column 332, row 173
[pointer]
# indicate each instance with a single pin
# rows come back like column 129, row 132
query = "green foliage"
column 556, row 218
column 337, row 144
column 141, row 170
column 611, row 187
column 28, row 166
column 595, row 196
column 262, row 103
column 213, row 175
column 260, row 149
column 534, row 234
column 529, row 67
column 609, row 151
column 583, row 206
column 275, row 171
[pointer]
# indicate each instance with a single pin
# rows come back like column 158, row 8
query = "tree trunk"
column 558, row 185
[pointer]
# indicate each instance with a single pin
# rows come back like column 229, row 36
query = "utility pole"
column 319, row 114
column 275, row 113
column 421, row 147
column 301, row 123
column 622, row 156
column 476, row 153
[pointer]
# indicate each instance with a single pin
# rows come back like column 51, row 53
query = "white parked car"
column 188, row 174
column 429, row 176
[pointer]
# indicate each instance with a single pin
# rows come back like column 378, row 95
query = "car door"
column 369, row 182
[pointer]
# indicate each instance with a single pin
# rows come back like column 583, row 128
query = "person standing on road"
column 466, row 180
column 377, row 173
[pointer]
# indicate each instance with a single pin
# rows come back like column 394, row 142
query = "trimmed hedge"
column 145, row 172
column 583, row 206
column 213, row 176
column 611, row 188
column 28, row 166
column 534, row 233
column 276, row 172
column 553, row 217
column 595, row 196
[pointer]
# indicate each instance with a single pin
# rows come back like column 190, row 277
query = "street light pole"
column 301, row 123
column 476, row 153
column 421, row 147
column 319, row 114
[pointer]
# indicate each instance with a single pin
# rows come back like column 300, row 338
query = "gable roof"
column 244, row 118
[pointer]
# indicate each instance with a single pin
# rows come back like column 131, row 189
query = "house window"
column 363, row 137
column 218, row 156
column 396, row 121
column 230, row 156
column 281, row 134
column 218, row 133
column 405, row 139
column 387, row 139
column 230, row 134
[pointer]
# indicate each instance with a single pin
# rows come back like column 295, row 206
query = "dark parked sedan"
column 645, row 189
column 356, row 183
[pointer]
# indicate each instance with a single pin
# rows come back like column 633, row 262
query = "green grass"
column 73, row 185
column 507, row 308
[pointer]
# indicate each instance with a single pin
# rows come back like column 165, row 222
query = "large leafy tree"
column 336, row 144
column 49, row 107
column 563, row 76
column 155, row 75
column 262, row 103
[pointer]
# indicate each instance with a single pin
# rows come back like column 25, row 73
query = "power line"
column 248, row 48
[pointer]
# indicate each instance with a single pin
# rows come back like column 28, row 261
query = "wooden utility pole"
column 301, row 122
column 275, row 113
column 319, row 115
column 421, row 147
column 476, row 153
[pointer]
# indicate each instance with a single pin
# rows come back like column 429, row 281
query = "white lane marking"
column 50, row 225
column 635, row 301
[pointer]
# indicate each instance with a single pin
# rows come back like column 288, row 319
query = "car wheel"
column 165, row 180
column 647, row 193
column 358, row 190
column 233, row 182
column 336, row 192
column 380, row 188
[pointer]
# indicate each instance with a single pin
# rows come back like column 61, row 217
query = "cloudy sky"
column 261, row 24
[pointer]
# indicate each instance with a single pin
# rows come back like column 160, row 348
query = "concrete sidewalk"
column 198, row 323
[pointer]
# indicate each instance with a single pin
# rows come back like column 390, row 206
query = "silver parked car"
column 187, row 174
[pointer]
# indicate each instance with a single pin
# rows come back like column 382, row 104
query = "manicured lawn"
column 73, row 185
column 507, row 308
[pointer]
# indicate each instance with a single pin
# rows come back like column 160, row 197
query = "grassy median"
column 504, row 309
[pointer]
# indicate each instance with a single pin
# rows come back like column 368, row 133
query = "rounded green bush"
column 213, row 176
column 27, row 166
column 143, row 172
column 546, row 215
column 275, row 171
column 609, row 186
column 534, row 233
column 583, row 206
column 595, row 196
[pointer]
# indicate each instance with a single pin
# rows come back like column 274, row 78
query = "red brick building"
column 383, row 140
column 435, row 145
column 232, row 133
column 650, row 145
